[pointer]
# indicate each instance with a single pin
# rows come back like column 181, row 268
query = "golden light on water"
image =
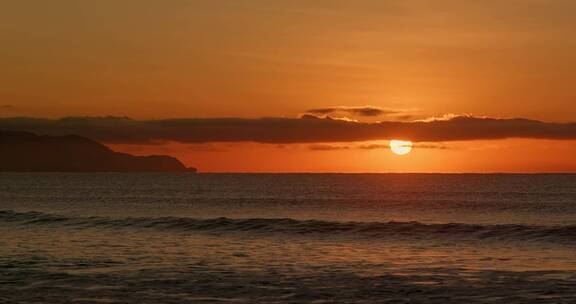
column 400, row 147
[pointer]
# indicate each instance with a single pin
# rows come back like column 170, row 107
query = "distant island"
column 28, row 152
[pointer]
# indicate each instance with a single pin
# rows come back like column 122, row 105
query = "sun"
column 400, row 147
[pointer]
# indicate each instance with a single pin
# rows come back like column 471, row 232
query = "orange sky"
column 151, row 59
column 459, row 157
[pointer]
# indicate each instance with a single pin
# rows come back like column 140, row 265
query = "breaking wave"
column 404, row 230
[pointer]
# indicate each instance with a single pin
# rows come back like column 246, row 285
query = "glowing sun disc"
column 400, row 147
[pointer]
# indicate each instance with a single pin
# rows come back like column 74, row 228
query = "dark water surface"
column 287, row 238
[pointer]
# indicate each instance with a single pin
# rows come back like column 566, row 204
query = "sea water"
column 287, row 238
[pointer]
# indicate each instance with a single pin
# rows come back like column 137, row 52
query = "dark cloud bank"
column 289, row 130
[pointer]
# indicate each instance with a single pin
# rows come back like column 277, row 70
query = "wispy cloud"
column 365, row 111
column 325, row 147
column 336, row 147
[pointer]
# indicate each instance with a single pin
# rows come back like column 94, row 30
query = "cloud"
column 373, row 147
column 332, row 147
column 431, row 146
column 290, row 130
column 407, row 117
column 328, row 117
column 366, row 111
column 324, row 147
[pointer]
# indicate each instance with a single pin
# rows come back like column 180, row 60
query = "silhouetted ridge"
column 28, row 152
column 398, row 230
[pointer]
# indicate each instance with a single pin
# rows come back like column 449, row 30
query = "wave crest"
column 403, row 230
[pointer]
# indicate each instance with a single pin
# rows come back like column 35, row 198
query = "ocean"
column 287, row 238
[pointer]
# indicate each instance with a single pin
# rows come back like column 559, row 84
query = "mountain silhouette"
column 28, row 152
